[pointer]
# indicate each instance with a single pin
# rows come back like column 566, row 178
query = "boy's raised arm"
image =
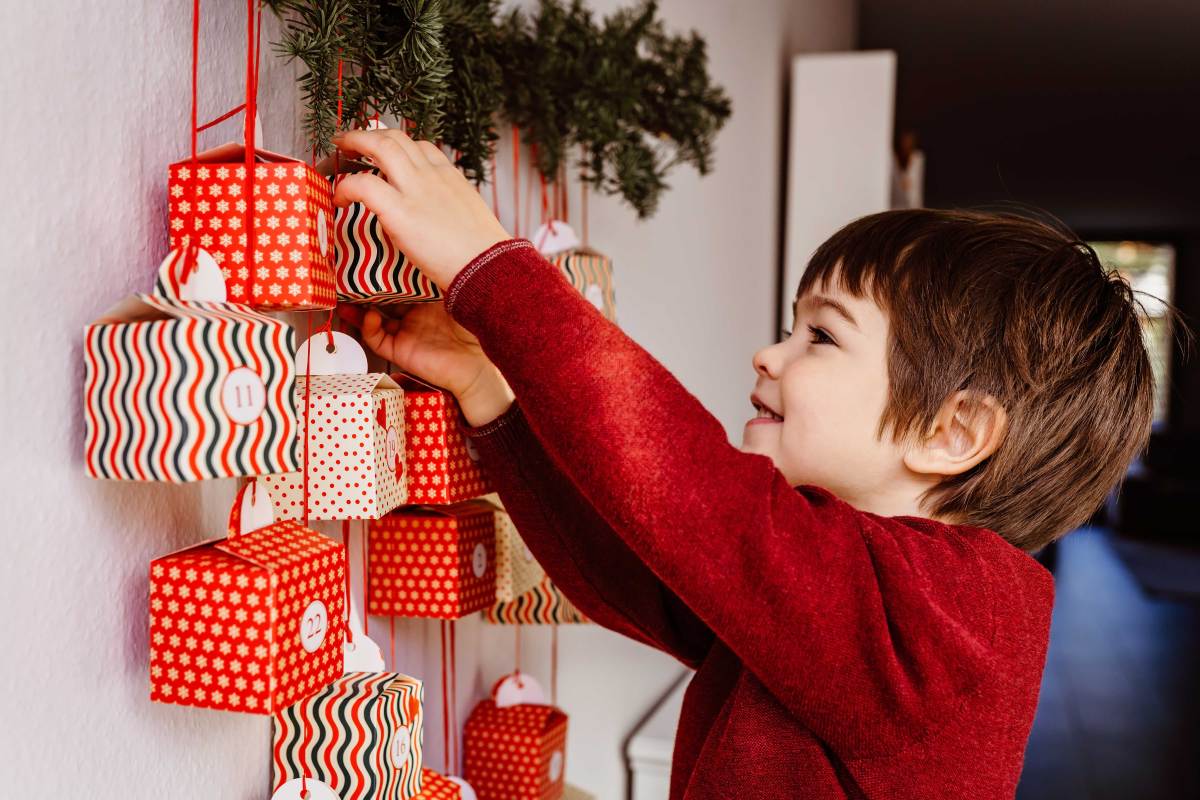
column 835, row 611
column 594, row 567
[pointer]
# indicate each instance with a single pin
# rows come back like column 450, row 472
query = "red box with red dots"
column 443, row 465
column 516, row 752
column 290, row 222
column 435, row 562
column 355, row 449
column 250, row 623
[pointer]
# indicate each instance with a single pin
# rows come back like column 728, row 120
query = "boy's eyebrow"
column 821, row 301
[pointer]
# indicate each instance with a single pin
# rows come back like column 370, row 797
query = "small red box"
column 437, row 787
column 443, row 466
column 432, row 562
column 515, row 753
column 291, row 221
column 249, row 623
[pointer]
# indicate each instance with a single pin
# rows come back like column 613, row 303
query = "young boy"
column 854, row 585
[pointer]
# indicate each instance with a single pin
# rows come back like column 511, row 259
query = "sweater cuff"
column 473, row 284
column 502, row 435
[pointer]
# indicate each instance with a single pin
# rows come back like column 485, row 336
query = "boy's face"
column 829, row 382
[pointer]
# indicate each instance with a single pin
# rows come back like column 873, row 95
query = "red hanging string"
column 366, row 579
column 307, row 416
column 516, row 145
column 248, row 130
column 554, row 664
column 454, row 698
column 346, row 550
column 565, row 213
column 583, row 202
column 495, row 189
column 517, row 650
column 392, row 639
column 445, row 706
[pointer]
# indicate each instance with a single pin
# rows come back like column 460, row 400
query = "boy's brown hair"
column 1023, row 311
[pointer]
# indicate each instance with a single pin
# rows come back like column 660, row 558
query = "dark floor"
column 1119, row 716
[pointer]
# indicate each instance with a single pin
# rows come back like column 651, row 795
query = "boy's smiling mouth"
column 765, row 412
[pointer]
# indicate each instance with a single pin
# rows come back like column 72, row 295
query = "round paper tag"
column 479, row 560
column 346, row 358
column 322, row 232
column 206, row 283
column 243, row 395
column 317, row 790
column 595, row 296
column 313, row 626
column 472, row 451
column 393, row 445
column 518, row 690
column 362, row 655
column 465, row 790
column 400, row 746
column 554, row 237
column 556, row 765
column 257, row 509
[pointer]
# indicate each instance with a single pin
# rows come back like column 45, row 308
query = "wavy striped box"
column 182, row 391
column 368, row 266
column 516, row 752
column 363, row 735
column 592, row 274
column 249, row 623
column 432, row 561
column 290, row 222
column 544, row 604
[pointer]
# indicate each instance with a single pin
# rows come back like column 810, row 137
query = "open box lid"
column 151, row 308
column 346, row 383
column 411, row 383
column 235, row 153
column 275, row 546
column 526, row 719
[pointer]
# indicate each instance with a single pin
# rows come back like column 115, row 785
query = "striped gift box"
column 363, row 735
column 247, row 623
column 592, row 274
column 436, row 561
column 368, row 266
column 544, row 604
column 291, row 223
column 517, row 571
column 180, row 391
column 515, row 753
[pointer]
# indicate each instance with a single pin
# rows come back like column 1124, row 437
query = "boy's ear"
column 967, row 429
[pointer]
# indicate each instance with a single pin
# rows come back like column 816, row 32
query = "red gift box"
column 247, row 623
column 432, row 562
column 443, row 466
column 515, row 753
column 437, row 787
column 291, row 221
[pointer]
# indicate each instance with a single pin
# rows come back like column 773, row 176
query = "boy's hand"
column 425, row 341
column 427, row 208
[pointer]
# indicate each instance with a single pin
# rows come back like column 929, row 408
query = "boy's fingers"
column 392, row 151
column 351, row 315
column 432, row 153
column 375, row 193
column 372, row 330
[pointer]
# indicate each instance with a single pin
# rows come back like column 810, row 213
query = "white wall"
column 96, row 105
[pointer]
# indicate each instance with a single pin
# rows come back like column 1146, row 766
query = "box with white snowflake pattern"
column 432, row 561
column 289, row 217
column 437, row 787
column 355, row 449
column 515, row 752
column 443, row 465
column 249, row 623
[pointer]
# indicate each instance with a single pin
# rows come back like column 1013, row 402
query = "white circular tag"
column 516, row 690
column 479, row 560
column 322, row 232
column 362, row 654
column 313, row 626
column 595, row 296
column 257, row 509
column 556, row 765
column 206, row 283
column 243, row 395
column 472, row 451
column 400, row 746
column 393, row 445
column 346, row 358
column 466, row 792
column 317, row 790
column 554, row 237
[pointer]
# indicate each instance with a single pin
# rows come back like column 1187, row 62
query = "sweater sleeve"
column 869, row 630
column 579, row 551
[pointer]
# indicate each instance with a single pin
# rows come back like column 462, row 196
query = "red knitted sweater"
column 839, row 654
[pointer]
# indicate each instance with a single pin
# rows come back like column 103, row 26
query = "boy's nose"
column 768, row 362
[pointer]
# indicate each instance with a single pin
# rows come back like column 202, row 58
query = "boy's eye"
column 820, row 336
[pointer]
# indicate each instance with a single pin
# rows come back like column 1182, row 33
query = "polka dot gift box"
column 287, row 209
column 443, row 465
column 432, row 561
column 361, row 735
column 516, row 752
column 517, row 571
column 247, row 623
